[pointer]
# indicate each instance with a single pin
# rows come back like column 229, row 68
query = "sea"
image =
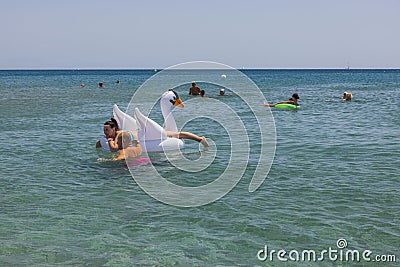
column 331, row 196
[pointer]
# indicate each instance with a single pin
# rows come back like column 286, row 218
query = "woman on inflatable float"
column 143, row 130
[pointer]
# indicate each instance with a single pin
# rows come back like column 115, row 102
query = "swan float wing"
column 125, row 122
column 149, row 129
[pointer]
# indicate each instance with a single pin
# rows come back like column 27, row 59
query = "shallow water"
column 335, row 174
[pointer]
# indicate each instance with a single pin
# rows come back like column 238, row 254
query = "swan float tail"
column 125, row 122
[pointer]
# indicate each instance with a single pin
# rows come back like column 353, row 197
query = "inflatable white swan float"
column 152, row 136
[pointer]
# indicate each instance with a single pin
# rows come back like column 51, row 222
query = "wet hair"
column 296, row 96
column 202, row 92
column 112, row 123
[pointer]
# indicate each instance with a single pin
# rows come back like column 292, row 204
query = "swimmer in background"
column 347, row 96
column 292, row 100
column 194, row 90
column 222, row 92
column 203, row 93
column 101, row 85
column 82, row 85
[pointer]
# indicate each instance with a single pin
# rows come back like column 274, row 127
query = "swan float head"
column 171, row 97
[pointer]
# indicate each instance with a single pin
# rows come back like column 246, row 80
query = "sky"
column 133, row 34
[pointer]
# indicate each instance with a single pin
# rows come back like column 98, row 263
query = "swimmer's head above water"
column 110, row 128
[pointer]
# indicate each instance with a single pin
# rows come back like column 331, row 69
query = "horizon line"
column 160, row 69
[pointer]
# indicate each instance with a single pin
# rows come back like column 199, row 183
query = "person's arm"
column 113, row 145
column 268, row 105
column 288, row 102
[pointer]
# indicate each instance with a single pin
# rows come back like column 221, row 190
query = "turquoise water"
column 335, row 175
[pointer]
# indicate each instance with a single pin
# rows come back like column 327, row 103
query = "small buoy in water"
column 155, row 70
column 223, row 76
